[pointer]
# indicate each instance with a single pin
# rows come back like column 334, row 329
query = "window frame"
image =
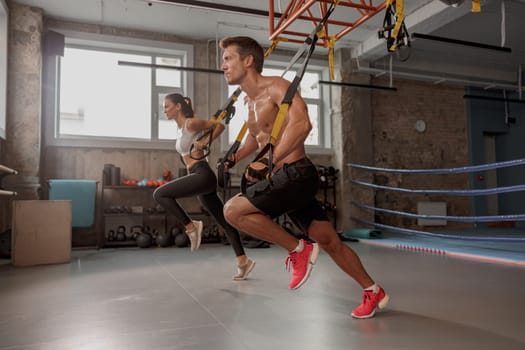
column 4, row 48
column 325, row 112
column 112, row 43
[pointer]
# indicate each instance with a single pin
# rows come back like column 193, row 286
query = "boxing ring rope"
column 482, row 192
column 488, row 218
column 440, row 235
column 466, row 169
column 478, row 192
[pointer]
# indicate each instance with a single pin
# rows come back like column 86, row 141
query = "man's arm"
column 248, row 147
column 295, row 129
column 250, row 143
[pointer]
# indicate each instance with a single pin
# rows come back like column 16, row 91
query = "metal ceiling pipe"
column 214, row 6
column 461, row 42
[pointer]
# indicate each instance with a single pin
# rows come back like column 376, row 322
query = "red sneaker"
column 302, row 264
column 370, row 301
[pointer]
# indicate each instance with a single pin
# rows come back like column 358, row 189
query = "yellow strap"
column 274, row 45
column 400, row 16
column 222, row 115
column 279, row 120
column 476, row 5
column 283, row 109
column 331, row 44
column 322, row 33
column 242, row 132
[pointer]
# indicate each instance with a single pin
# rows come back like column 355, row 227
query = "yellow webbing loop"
column 274, row 45
column 476, row 6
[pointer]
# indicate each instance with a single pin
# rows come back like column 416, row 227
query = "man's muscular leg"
column 244, row 216
column 324, row 234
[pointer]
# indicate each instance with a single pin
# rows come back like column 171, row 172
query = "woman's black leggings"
column 201, row 182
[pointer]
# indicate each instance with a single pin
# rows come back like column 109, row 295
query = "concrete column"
column 24, row 99
column 352, row 140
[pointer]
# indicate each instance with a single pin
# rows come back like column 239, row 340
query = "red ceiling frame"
column 301, row 10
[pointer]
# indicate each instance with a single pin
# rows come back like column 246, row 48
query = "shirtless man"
column 293, row 184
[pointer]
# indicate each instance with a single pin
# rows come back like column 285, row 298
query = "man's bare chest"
column 265, row 113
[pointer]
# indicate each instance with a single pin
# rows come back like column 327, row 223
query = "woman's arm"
column 198, row 125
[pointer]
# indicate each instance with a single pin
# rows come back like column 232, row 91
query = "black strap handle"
column 226, row 113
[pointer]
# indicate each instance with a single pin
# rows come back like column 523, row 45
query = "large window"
column 310, row 91
column 112, row 94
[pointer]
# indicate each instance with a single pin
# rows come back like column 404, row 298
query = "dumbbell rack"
column 114, row 218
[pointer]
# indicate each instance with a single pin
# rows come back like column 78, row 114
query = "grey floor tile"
column 173, row 299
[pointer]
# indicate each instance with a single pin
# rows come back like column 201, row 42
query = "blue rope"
column 431, row 234
column 466, row 169
column 517, row 217
column 481, row 192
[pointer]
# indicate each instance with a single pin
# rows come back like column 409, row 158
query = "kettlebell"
column 144, row 240
column 175, row 230
column 164, row 239
column 182, row 240
column 121, row 233
column 135, row 231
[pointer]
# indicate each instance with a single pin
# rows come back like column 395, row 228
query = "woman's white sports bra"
column 185, row 139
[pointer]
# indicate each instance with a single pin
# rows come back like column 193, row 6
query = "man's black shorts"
column 291, row 190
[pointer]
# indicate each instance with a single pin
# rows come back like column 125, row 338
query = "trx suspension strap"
column 225, row 161
column 222, row 176
column 226, row 113
column 308, row 48
column 394, row 29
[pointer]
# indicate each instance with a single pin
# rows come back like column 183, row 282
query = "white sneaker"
column 244, row 270
column 195, row 235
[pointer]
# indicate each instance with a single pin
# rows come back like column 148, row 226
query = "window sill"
column 312, row 150
column 113, row 143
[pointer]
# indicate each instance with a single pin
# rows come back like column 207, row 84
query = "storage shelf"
column 130, row 187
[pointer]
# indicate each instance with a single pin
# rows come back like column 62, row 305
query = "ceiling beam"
column 215, row 6
column 425, row 19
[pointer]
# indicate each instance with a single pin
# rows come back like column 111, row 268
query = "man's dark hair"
column 246, row 46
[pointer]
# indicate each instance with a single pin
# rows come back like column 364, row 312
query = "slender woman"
column 200, row 181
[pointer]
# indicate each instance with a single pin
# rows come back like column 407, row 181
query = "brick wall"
column 397, row 144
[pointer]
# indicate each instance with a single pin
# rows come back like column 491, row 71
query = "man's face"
column 232, row 65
